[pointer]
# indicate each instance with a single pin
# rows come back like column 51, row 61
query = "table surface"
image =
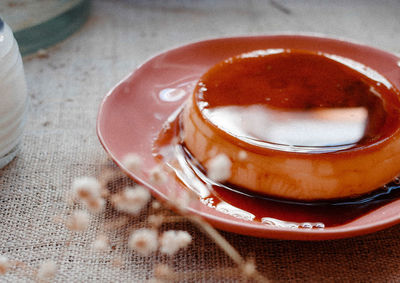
column 60, row 143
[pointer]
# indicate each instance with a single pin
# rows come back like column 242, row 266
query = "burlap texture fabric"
column 60, row 143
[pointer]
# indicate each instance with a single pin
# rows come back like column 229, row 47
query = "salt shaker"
column 13, row 95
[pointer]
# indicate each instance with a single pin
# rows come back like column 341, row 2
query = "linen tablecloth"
column 68, row 82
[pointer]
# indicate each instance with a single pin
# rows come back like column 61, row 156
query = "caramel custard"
column 296, row 124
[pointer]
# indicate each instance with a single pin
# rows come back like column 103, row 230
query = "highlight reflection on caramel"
column 320, row 127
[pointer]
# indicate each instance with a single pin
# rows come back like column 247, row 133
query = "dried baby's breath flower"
column 131, row 200
column 85, row 188
column 78, row 221
column 133, row 162
column 219, row 168
column 47, row 270
column 158, row 176
column 163, row 271
column 171, row 241
column 144, row 241
column 101, row 243
column 242, row 155
column 4, row 264
column 249, row 268
column 155, row 204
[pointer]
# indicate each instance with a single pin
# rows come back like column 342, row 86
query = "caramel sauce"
column 296, row 101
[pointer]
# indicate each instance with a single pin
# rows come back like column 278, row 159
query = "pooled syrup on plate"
column 310, row 107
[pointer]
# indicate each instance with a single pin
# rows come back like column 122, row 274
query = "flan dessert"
column 296, row 124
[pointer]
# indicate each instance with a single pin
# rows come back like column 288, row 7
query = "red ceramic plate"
column 132, row 114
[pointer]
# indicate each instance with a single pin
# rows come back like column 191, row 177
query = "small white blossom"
column 86, row 188
column 78, row 221
column 101, row 243
column 242, row 155
column 133, row 162
column 249, row 268
column 155, row 204
column 131, row 200
column 96, row 205
column 144, row 241
column 219, row 168
column 47, row 270
column 4, row 264
column 158, row 176
column 171, row 241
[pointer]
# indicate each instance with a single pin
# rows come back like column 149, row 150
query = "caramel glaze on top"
column 298, row 81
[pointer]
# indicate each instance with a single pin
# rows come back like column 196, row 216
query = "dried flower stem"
column 217, row 238
column 224, row 245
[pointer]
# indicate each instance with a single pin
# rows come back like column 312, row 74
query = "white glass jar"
column 13, row 95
